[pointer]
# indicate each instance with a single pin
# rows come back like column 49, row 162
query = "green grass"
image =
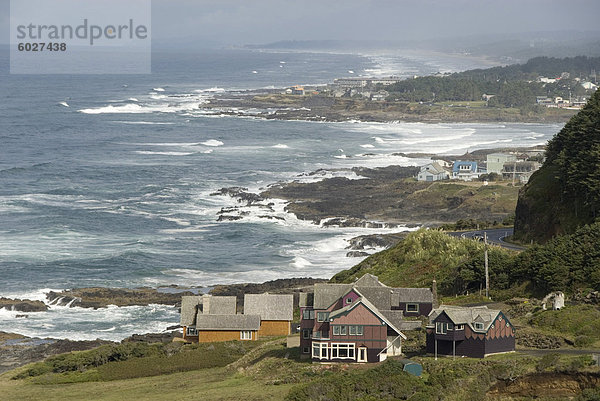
column 131, row 360
column 578, row 323
column 416, row 260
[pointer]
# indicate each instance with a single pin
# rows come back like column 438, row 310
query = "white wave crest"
column 212, row 142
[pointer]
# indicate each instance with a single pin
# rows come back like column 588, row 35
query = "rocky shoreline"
column 271, row 104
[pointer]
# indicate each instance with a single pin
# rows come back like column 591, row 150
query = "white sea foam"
column 280, row 146
column 367, row 146
column 64, row 104
column 132, row 99
column 213, row 143
column 147, row 152
column 158, row 89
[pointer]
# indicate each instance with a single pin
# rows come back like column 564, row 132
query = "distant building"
column 517, row 170
column 474, row 332
column 379, row 96
column 589, row 86
column 433, row 172
column 297, row 90
column 465, row 170
column 496, row 161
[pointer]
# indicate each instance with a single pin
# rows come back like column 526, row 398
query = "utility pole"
column 487, row 273
column 514, row 173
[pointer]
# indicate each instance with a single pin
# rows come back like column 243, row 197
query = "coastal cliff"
column 565, row 193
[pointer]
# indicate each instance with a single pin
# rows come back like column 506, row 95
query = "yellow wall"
column 207, row 336
column 274, row 328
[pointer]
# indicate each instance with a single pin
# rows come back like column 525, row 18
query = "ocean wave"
column 212, row 142
column 280, row 146
column 147, row 152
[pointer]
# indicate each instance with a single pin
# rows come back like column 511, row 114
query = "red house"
column 359, row 322
column 469, row 331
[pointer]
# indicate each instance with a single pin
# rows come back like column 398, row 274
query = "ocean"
column 106, row 180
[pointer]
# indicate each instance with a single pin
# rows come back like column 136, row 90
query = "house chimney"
column 435, row 295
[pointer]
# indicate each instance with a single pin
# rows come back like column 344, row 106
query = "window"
column 305, row 350
column 460, row 327
column 316, row 334
column 443, row 327
column 322, row 316
column 478, row 326
column 348, row 300
column 320, row 350
column 316, row 350
column 339, row 330
column 191, row 331
column 246, row 335
column 355, row 330
column 412, row 308
column 308, row 314
column 342, row 351
column 306, row 333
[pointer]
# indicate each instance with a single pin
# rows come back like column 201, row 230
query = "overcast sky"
column 258, row 21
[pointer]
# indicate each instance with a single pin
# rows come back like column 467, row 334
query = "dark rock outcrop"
column 23, row 305
column 17, row 350
column 101, row 297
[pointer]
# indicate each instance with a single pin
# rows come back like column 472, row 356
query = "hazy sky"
column 259, row 21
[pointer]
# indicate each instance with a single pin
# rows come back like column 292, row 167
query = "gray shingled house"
column 469, row 331
column 359, row 322
column 207, row 318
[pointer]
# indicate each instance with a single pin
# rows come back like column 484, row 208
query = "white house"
column 433, row 172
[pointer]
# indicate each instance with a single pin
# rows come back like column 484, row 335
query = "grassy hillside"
column 270, row 371
column 567, row 263
column 428, row 254
column 565, row 193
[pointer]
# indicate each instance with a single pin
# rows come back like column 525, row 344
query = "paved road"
column 495, row 236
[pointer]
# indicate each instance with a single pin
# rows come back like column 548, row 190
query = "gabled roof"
column 327, row 294
column 416, row 295
column 269, row 306
column 391, row 318
column 382, row 296
column 368, row 280
column 467, row 315
column 219, row 305
column 306, row 299
column 457, row 164
column 206, row 305
column 227, row 322
column 189, row 308
column 433, row 168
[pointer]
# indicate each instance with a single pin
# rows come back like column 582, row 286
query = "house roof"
column 227, row 322
column 467, row 315
column 269, row 306
column 327, row 294
column 416, row 295
column 219, row 305
column 306, row 299
column 206, row 305
column 457, row 164
column 189, row 308
column 433, row 168
column 391, row 318
column 368, row 280
column 368, row 286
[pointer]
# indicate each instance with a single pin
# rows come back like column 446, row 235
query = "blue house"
column 465, row 170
